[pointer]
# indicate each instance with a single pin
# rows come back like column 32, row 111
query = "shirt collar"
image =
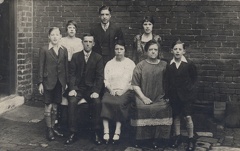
column 85, row 53
column 107, row 25
column 50, row 46
column 183, row 59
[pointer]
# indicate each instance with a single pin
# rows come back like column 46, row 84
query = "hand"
column 94, row 95
column 66, row 87
column 146, row 101
column 40, row 89
column 72, row 93
column 119, row 92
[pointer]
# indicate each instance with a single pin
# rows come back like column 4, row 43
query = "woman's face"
column 71, row 30
column 152, row 52
column 147, row 27
column 119, row 51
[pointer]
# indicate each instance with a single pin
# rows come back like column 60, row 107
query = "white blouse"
column 73, row 45
column 118, row 74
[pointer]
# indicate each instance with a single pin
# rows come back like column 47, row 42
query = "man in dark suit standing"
column 86, row 81
column 106, row 34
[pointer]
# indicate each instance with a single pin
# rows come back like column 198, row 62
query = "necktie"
column 105, row 27
column 86, row 57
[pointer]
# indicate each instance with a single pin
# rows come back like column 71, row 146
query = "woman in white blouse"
column 119, row 94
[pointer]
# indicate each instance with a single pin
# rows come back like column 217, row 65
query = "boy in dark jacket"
column 181, row 77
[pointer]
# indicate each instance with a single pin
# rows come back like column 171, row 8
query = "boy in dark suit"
column 181, row 77
column 53, row 77
column 86, row 81
column 106, row 34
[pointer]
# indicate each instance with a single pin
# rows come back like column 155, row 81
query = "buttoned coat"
column 115, row 34
column 93, row 74
column 53, row 67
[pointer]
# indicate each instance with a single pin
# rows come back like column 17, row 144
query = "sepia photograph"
column 119, row 75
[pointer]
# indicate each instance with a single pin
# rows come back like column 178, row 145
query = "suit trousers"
column 94, row 106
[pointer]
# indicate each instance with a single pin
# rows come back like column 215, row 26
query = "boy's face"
column 71, row 30
column 105, row 16
column 88, row 43
column 178, row 51
column 152, row 51
column 148, row 27
column 55, row 36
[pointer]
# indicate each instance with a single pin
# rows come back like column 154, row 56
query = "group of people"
column 150, row 92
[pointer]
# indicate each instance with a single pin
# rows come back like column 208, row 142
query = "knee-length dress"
column 118, row 76
column 154, row 120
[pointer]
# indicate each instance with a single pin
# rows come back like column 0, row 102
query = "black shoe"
column 97, row 139
column 50, row 134
column 71, row 139
column 191, row 144
column 116, row 141
column 57, row 132
column 176, row 141
column 154, row 145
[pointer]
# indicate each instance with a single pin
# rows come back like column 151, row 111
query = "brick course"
column 210, row 29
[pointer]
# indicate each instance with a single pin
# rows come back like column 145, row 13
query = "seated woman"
column 140, row 40
column 152, row 114
column 116, row 100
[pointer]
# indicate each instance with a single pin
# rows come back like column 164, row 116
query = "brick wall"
column 210, row 29
column 24, row 47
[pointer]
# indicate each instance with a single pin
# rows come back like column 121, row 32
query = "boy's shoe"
column 191, row 144
column 50, row 134
column 176, row 141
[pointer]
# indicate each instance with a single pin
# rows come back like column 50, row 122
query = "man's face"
column 88, row 43
column 105, row 16
column 55, row 36
column 71, row 30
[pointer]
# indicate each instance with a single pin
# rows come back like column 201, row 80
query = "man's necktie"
column 86, row 57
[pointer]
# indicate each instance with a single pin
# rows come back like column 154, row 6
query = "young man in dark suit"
column 106, row 34
column 86, row 81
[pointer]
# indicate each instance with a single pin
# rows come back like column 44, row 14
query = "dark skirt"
column 116, row 108
column 151, row 121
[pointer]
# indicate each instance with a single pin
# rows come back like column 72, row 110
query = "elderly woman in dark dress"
column 115, row 102
column 152, row 114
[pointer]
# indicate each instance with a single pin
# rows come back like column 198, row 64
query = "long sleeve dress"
column 151, row 121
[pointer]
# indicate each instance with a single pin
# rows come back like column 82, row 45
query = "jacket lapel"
column 53, row 54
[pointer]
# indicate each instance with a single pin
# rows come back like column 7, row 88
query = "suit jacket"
column 93, row 74
column 53, row 67
column 115, row 34
column 180, row 83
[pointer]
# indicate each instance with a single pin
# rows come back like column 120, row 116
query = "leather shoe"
column 50, row 134
column 57, row 132
column 176, row 141
column 191, row 144
column 154, row 145
column 97, row 140
column 71, row 139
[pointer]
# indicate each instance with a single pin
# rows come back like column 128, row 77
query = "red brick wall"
column 210, row 29
column 24, row 47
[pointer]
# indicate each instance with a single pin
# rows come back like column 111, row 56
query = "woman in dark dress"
column 152, row 114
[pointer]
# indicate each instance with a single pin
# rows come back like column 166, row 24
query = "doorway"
column 7, row 49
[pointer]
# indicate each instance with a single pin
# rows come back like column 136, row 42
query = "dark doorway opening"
column 7, row 49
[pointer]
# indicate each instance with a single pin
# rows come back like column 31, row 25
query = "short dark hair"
column 148, row 18
column 87, row 35
column 149, row 43
column 71, row 22
column 104, row 7
column 121, row 43
column 52, row 28
column 178, row 42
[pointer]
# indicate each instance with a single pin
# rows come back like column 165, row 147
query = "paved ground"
column 23, row 129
